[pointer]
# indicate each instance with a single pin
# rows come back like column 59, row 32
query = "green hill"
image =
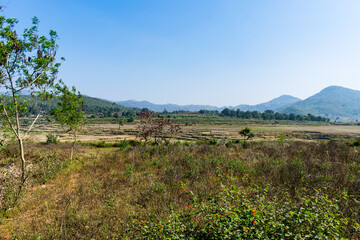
column 91, row 106
column 334, row 102
column 276, row 103
column 96, row 105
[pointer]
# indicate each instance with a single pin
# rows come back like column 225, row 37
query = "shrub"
column 243, row 214
column 52, row 138
column 246, row 133
column 213, row 141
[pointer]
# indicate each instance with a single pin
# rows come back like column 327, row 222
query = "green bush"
column 52, row 138
column 245, row 214
column 213, row 141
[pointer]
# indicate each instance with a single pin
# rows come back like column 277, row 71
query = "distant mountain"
column 334, row 102
column 276, row 103
column 168, row 107
column 95, row 105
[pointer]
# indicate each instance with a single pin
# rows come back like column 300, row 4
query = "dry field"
column 111, row 132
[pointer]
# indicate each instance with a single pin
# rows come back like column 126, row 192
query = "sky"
column 214, row 52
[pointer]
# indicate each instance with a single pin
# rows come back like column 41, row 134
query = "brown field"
column 111, row 132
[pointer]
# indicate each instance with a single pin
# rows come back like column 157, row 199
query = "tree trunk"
column 73, row 146
column 23, row 161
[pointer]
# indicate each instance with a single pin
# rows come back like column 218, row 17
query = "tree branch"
column 32, row 124
column 8, row 120
column 37, row 78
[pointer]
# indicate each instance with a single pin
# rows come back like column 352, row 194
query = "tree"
column 246, row 133
column 121, row 122
column 27, row 63
column 69, row 112
column 153, row 126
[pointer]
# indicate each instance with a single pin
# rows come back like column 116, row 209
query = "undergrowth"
column 214, row 190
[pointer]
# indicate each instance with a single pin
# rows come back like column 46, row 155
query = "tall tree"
column 27, row 63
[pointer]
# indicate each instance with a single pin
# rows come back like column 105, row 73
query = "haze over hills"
column 275, row 104
column 169, row 107
column 334, row 102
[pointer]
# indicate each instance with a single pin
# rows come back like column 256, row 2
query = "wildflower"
column 219, row 165
column 228, row 212
column 154, row 227
column 245, row 204
column 218, row 179
column 308, row 199
column 245, row 230
column 209, row 230
column 159, row 230
column 286, row 228
column 254, row 221
column 254, row 211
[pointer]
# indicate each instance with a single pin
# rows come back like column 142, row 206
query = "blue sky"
column 217, row 52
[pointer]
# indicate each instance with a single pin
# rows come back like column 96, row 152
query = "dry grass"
column 111, row 132
column 90, row 196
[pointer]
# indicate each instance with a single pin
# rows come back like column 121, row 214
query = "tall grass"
column 297, row 189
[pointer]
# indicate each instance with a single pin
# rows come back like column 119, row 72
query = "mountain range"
column 334, row 102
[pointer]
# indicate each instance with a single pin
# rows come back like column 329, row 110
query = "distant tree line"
column 267, row 115
column 92, row 107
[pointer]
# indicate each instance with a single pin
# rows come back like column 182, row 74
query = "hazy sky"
column 218, row 52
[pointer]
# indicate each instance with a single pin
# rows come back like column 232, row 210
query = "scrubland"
column 233, row 189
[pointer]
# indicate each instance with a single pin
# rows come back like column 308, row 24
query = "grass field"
column 305, row 186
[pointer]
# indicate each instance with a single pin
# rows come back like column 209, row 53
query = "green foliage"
column 251, row 213
column 130, row 119
column 280, row 138
column 213, row 141
column 69, row 111
column 123, row 144
column 27, row 63
column 246, row 133
column 52, row 138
